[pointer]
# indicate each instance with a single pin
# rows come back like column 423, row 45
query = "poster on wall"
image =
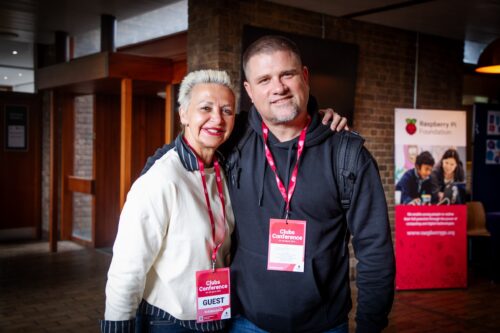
column 486, row 158
column 431, row 216
column 493, row 124
column 16, row 127
column 492, row 151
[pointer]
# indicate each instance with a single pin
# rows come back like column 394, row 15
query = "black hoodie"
column 319, row 298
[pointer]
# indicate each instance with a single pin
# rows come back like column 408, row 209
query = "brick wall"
column 386, row 66
column 45, row 162
column 83, row 160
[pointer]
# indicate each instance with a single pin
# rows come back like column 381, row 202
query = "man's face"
column 424, row 171
column 278, row 86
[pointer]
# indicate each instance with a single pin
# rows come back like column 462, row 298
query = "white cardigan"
column 164, row 237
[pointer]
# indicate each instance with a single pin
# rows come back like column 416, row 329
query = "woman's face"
column 449, row 165
column 209, row 118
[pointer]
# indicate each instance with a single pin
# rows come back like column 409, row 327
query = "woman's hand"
column 338, row 123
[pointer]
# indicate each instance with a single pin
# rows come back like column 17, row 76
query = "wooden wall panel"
column 20, row 171
column 169, row 113
column 179, row 71
column 147, row 131
column 148, row 135
column 106, row 169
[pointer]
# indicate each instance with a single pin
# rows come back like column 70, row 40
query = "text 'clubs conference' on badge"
column 287, row 239
column 213, row 295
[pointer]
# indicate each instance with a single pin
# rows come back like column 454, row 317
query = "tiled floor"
column 64, row 292
column 51, row 292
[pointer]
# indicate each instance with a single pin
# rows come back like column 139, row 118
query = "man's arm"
column 369, row 224
column 338, row 123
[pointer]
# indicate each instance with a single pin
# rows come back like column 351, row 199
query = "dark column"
column 108, row 33
column 62, row 46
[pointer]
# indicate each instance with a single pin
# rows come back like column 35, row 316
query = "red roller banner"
column 431, row 247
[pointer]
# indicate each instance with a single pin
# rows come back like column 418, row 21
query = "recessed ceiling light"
column 20, row 74
column 5, row 77
column 14, row 52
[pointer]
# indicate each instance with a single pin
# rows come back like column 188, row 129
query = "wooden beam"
column 125, row 139
column 83, row 69
column 169, row 114
column 121, row 65
column 80, row 185
column 173, row 47
column 104, row 65
column 54, row 172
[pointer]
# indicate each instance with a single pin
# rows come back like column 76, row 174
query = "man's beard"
column 285, row 118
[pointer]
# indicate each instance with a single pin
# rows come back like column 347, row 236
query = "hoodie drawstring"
column 262, row 181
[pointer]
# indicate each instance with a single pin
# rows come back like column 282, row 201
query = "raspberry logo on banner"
column 411, row 128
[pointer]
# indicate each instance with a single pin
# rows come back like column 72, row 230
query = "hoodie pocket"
column 274, row 299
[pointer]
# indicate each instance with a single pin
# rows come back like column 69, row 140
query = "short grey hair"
column 200, row 77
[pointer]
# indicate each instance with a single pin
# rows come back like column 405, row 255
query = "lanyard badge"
column 213, row 301
column 287, row 238
column 287, row 243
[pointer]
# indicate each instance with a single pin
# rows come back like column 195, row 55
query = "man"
column 317, row 299
column 312, row 294
column 416, row 183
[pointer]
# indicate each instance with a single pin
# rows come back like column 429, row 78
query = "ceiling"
column 23, row 22
column 36, row 20
column 474, row 20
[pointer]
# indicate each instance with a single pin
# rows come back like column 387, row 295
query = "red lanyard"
column 272, row 164
column 218, row 179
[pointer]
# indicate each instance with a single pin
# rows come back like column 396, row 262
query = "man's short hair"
column 199, row 77
column 424, row 158
column 270, row 44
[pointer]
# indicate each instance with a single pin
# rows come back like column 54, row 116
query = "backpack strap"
column 349, row 148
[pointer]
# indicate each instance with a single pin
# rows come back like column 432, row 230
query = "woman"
column 177, row 220
column 448, row 171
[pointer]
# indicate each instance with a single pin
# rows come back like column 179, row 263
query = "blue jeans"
column 242, row 325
